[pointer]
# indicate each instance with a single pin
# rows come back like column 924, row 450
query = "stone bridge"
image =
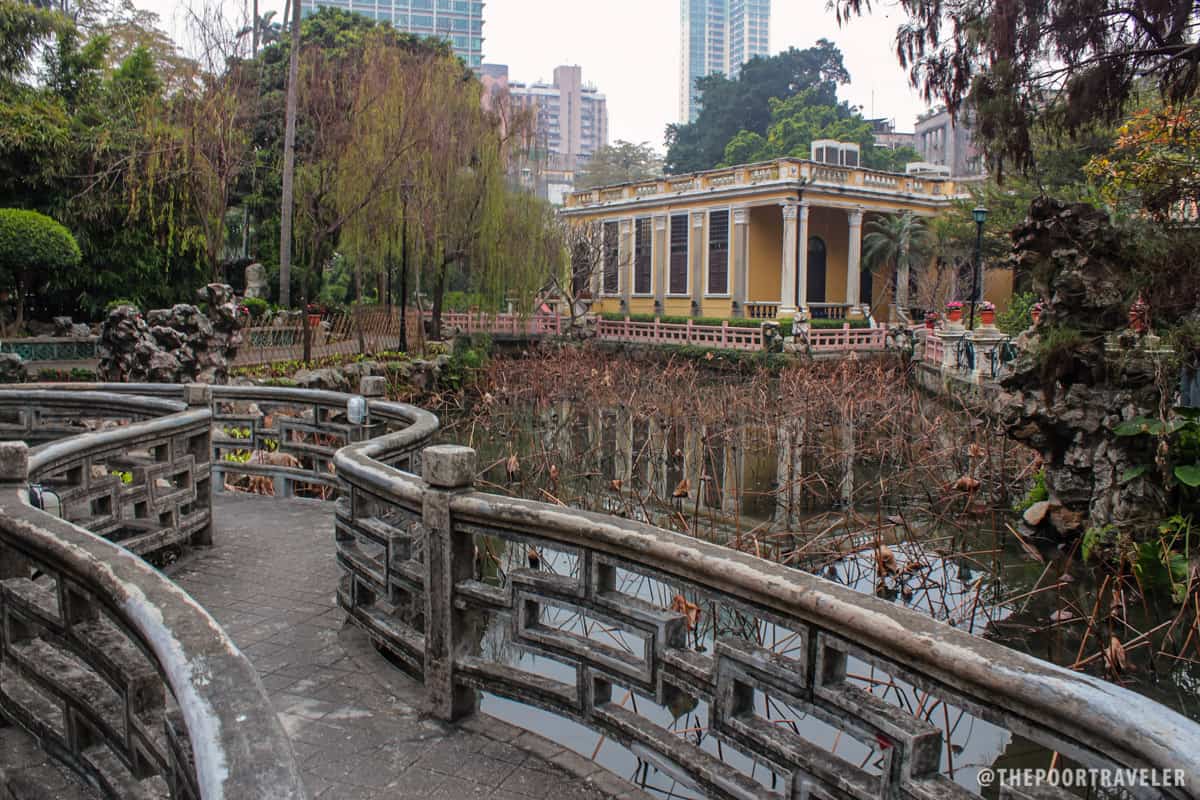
column 236, row 676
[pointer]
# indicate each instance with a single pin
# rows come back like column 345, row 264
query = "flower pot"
column 1035, row 315
column 314, row 320
column 954, row 315
column 930, row 323
column 988, row 318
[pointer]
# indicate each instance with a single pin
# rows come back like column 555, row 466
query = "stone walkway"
column 354, row 719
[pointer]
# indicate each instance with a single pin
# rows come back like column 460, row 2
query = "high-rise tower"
column 718, row 36
column 458, row 21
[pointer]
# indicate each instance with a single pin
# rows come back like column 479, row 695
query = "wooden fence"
column 374, row 330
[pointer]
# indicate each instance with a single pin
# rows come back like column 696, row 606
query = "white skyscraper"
column 718, row 36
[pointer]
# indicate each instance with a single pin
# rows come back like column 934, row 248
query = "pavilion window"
column 641, row 256
column 612, row 269
column 718, row 252
column 678, row 270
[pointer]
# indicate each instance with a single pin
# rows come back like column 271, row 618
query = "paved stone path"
column 354, row 719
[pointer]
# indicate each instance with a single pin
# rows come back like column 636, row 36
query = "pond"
column 842, row 471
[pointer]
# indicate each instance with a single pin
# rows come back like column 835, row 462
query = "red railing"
column 724, row 336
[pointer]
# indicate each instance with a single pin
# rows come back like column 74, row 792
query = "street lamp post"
column 980, row 215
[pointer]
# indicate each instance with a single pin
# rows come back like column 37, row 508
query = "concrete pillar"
column 741, row 260
column 803, row 248
column 950, row 336
column 697, row 249
column 199, row 395
column 625, row 262
column 658, row 266
column 787, row 269
column 449, row 558
column 14, row 476
column 854, row 262
column 986, row 342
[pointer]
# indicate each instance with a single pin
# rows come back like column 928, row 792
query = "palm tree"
column 896, row 240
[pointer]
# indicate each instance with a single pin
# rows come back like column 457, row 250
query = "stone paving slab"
column 355, row 721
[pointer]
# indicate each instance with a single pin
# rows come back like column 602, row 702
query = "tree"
column 1063, row 62
column 804, row 117
column 289, row 165
column 34, row 250
column 619, row 162
column 729, row 106
column 1154, row 164
column 584, row 245
column 896, row 241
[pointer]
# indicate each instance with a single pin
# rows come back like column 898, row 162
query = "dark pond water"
column 826, row 497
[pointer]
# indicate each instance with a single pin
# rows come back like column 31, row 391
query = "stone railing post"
column 950, row 337
column 199, row 395
column 447, row 469
column 986, row 341
column 14, row 476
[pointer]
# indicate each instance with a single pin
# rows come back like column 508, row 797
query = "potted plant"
column 931, row 318
column 1035, row 312
column 954, row 311
column 314, row 315
column 987, row 314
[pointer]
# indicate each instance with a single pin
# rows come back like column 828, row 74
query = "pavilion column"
column 854, row 262
column 741, row 260
column 787, row 274
column 625, row 262
column 659, row 269
column 696, row 250
column 803, row 247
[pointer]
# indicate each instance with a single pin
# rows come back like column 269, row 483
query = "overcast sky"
column 630, row 50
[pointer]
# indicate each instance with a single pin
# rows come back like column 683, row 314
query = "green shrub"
column 34, row 250
column 120, row 301
column 82, row 375
column 1017, row 316
column 257, row 307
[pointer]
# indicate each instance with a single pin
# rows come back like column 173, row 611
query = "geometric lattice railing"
column 107, row 663
column 633, row 618
column 144, row 484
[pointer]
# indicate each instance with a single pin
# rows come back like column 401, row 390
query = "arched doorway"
column 816, row 270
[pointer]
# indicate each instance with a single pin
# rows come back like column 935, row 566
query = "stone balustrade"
column 428, row 559
column 112, row 668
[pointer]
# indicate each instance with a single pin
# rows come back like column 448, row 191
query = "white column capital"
column 856, row 217
column 789, row 210
column 697, row 219
column 626, row 225
column 660, row 222
column 741, row 215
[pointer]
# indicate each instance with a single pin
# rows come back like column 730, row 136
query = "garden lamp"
column 980, row 214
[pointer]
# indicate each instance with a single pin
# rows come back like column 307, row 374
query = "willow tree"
column 472, row 225
column 368, row 112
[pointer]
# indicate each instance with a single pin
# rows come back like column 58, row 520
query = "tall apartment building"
column 459, row 21
column 718, row 36
column 572, row 121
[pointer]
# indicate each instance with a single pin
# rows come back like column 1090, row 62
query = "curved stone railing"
column 418, row 578
column 144, row 485
column 116, row 671
column 425, row 558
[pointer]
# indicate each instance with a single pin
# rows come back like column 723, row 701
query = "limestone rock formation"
column 1070, row 388
column 12, row 368
column 173, row 345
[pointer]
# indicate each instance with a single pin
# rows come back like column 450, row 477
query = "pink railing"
column 724, row 336
column 934, row 349
column 847, row 338
column 512, row 324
